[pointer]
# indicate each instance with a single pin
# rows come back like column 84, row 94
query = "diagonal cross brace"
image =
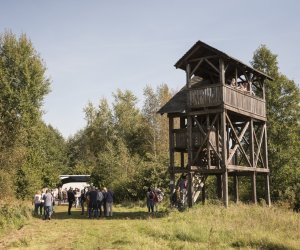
column 206, row 137
column 258, row 154
column 237, row 138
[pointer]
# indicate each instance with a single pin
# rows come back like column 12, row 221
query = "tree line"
column 122, row 145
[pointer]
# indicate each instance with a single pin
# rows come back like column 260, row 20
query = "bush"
column 6, row 185
column 296, row 203
column 13, row 214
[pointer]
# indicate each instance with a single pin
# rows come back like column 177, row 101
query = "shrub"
column 13, row 214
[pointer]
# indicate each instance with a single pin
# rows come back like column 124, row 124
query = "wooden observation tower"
column 220, row 118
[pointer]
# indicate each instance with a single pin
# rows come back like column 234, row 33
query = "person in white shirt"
column 37, row 202
column 48, row 200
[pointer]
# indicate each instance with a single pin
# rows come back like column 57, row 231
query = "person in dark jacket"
column 82, row 201
column 71, row 199
column 93, row 208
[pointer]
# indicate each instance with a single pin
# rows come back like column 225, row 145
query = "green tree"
column 129, row 123
column 23, row 86
column 158, row 125
column 283, row 113
column 32, row 153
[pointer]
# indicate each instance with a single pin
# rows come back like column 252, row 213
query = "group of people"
column 94, row 202
column 179, row 195
column 243, row 86
column 98, row 202
column 154, row 196
column 43, row 203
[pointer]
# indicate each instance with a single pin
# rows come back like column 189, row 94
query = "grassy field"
column 202, row 227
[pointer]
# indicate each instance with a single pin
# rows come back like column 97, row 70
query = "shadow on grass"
column 262, row 244
column 117, row 215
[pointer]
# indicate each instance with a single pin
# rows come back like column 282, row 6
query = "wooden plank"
column 225, row 188
column 248, row 169
column 190, row 190
column 188, row 76
column 266, row 147
column 267, row 190
column 182, row 159
column 211, row 64
column 197, row 66
column 218, row 141
column 202, row 58
column 179, row 170
column 252, row 159
column 208, row 127
column 206, row 111
column 219, row 186
column 236, row 188
column 203, row 195
column 171, row 152
column 267, row 181
column 189, row 140
column 224, row 139
column 253, row 183
column 245, row 113
column 171, row 142
column 221, row 72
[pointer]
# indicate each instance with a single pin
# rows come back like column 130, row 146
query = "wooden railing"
column 205, row 96
column 215, row 95
column 244, row 101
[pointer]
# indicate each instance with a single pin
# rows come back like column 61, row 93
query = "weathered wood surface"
column 180, row 138
column 205, row 97
column 244, row 101
column 215, row 95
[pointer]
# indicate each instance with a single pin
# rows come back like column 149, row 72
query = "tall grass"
column 13, row 214
column 202, row 227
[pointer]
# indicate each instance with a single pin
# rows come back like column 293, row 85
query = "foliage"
column 31, row 153
column 23, row 85
column 283, row 112
column 122, row 147
column 158, row 125
column 13, row 214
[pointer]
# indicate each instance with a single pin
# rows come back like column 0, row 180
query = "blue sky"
column 92, row 48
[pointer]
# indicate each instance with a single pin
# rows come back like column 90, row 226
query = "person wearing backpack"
column 150, row 200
